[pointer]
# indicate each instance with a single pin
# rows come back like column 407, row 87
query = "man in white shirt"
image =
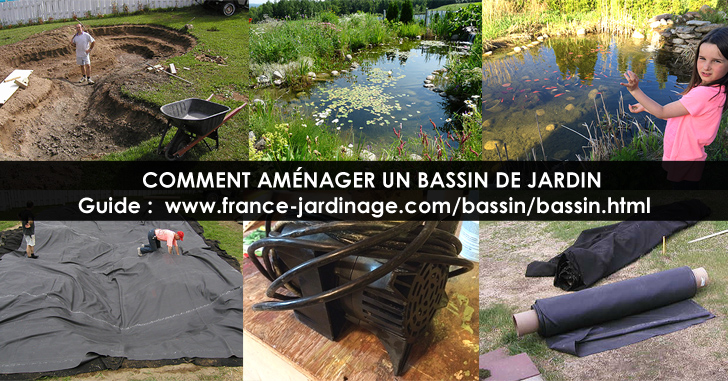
column 84, row 45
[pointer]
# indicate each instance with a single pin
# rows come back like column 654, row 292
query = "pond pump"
column 388, row 277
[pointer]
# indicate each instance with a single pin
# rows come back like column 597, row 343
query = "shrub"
column 392, row 11
column 407, row 14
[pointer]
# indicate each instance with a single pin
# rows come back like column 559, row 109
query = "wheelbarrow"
column 195, row 119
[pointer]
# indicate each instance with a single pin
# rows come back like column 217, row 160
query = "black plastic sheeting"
column 90, row 296
column 600, row 252
column 622, row 313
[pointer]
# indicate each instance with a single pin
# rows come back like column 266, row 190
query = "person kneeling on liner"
column 156, row 235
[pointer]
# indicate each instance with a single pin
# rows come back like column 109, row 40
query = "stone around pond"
column 365, row 155
column 335, row 73
column 277, row 75
column 491, row 144
column 550, row 127
column 593, row 94
column 540, row 112
column 569, row 107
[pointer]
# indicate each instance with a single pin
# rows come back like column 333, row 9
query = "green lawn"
column 216, row 35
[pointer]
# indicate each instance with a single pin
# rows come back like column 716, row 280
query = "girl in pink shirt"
column 156, row 235
column 692, row 121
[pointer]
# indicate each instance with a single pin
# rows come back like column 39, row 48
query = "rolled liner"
column 614, row 301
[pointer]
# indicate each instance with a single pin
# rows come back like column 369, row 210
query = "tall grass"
column 327, row 39
column 292, row 135
column 502, row 18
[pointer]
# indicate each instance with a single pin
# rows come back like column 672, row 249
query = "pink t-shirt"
column 686, row 136
column 166, row 235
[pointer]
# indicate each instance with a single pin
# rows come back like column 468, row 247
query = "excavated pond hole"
column 58, row 118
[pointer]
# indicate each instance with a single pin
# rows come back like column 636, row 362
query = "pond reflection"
column 528, row 96
column 387, row 90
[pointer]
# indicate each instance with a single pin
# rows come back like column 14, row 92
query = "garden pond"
column 370, row 104
column 530, row 95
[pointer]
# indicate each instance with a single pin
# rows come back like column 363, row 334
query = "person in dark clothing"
column 27, row 220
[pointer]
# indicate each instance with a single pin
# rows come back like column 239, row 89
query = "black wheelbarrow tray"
column 195, row 119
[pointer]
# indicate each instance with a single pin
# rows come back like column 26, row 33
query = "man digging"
column 84, row 45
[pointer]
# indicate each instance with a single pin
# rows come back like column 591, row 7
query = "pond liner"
column 602, row 251
column 621, row 313
column 89, row 303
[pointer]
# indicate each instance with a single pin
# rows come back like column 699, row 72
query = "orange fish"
column 506, row 84
column 528, row 80
column 558, row 95
column 536, row 92
column 535, row 80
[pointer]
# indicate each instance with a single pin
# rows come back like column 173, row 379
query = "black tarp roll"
column 621, row 313
column 600, row 252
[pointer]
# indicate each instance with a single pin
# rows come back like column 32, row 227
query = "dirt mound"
column 57, row 118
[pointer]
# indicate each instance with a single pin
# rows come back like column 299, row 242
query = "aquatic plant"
column 293, row 135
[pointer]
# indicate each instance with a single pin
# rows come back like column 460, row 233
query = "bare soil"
column 57, row 118
column 506, row 248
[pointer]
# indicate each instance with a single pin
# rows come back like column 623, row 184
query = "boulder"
column 664, row 16
column 430, row 77
column 335, row 73
column 491, row 144
column 348, row 57
column 697, row 22
column 707, row 28
column 706, row 9
column 678, row 41
column 277, row 82
column 550, row 127
column 517, row 49
column 687, row 36
column 684, row 29
column 365, row 155
column 311, row 74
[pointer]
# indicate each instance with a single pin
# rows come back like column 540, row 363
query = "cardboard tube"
column 701, row 277
column 526, row 322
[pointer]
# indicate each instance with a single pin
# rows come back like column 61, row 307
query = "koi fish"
column 510, row 88
column 535, row 80
column 535, row 92
column 506, row 84
column 558, row 95
column 528, row 80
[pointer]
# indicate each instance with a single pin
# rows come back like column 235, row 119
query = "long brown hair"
column 718, row 37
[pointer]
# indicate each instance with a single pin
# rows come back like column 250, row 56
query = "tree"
column 407, row 14
column 392, row 11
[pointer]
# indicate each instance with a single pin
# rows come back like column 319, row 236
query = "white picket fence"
column 31, row 11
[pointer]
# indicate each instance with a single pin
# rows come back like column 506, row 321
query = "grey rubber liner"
column 90, row 295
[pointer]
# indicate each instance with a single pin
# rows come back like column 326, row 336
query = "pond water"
column 366, row 104
column 560, row 83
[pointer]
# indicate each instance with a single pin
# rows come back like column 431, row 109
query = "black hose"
column 397, row 242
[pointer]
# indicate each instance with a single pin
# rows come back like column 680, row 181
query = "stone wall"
column 678, row 33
